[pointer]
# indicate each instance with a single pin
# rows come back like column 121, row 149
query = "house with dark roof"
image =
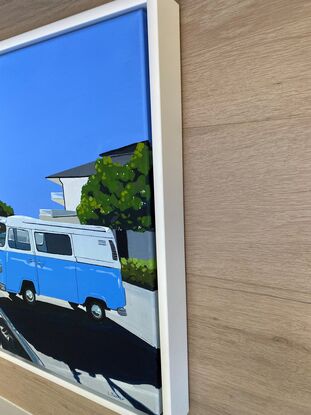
column 71, row 181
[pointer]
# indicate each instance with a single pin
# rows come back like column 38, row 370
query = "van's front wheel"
column 29, row 295
column 96, row 310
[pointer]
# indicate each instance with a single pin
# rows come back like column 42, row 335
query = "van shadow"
column 71, row 337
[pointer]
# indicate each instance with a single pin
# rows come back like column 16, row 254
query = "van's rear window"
column 53, row 243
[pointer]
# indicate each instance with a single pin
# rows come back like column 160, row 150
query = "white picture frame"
column 166, row 115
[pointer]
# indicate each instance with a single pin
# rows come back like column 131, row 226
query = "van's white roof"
column 28, row 222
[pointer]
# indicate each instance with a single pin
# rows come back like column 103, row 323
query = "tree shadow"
column 71, row 337
column 137, row 405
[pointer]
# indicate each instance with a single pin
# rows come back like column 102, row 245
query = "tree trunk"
column 122, row 244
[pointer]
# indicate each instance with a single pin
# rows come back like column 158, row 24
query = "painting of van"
column 78, row 266
column 74, row 263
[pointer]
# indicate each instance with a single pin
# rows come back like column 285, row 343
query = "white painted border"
column 165, row 86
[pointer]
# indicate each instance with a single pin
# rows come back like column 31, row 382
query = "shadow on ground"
column 71, row 337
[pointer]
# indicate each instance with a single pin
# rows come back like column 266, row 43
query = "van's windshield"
column 2, row 234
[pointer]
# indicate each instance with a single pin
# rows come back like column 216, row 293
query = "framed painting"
column 92, row 272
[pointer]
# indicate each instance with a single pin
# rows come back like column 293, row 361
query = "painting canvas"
column 78, row 272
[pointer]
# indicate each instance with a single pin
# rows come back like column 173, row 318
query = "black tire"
column 96, row 310
column 73, row 305
column 29, row 294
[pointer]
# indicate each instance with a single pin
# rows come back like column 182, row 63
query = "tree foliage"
column 6, row 210
column 120, row 196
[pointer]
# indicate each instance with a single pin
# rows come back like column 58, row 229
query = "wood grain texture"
column 247, row 150
column 41, row 397
column 247, row 147
column 18, row 16
column 245, row 60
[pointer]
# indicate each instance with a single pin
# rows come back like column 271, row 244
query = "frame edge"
column 166, row 116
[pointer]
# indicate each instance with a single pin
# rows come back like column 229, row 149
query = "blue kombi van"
column 70, row 262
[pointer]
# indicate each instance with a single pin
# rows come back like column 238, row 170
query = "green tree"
column 120, row 196
column 6, row 210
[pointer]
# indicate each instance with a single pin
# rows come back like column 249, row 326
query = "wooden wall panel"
column 18, row 16
column 247, row 149
column 254, row 208
column 245, row 61
column 41, row 397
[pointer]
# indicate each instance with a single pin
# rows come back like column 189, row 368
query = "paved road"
column 104, row 349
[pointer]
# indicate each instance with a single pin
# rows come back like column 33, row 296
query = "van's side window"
column 53, row 243
column 12, row 243
column 2, row 234
column 19, row 239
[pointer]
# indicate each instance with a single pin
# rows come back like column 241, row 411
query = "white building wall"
column 72, row 191
column 63, row 216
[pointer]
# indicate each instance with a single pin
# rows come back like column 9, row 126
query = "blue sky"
column 68, row 99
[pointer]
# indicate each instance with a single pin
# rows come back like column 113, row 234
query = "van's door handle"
column 1, row 269
column 30, row 261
